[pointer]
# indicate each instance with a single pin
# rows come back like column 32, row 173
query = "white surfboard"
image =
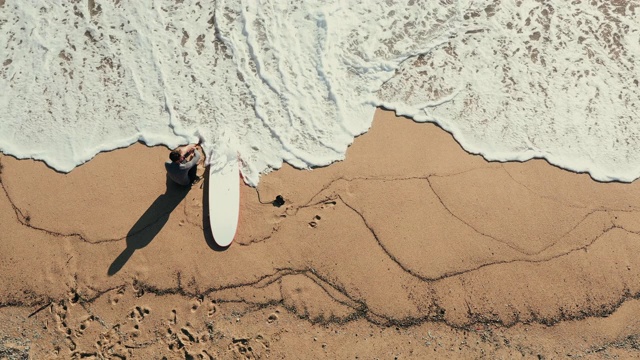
column 224, row 201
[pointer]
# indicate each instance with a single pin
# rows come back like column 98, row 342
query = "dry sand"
column 410, row 248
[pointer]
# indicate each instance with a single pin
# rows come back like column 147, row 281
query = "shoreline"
column 408, row 235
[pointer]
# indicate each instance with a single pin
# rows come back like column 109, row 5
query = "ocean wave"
column 296, row 81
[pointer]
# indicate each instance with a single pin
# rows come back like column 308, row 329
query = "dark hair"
column 174, row 156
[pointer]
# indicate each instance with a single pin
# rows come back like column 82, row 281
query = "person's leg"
column 192, row 174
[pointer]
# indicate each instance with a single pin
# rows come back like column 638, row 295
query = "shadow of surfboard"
column 150, row 223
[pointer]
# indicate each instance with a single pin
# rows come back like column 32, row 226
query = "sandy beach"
column 409, row 248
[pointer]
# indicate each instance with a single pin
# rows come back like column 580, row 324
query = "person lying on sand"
column 183, row 165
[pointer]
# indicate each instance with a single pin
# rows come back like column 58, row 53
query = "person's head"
column 175, row 156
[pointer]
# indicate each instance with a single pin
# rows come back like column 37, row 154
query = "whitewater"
column 297, row 81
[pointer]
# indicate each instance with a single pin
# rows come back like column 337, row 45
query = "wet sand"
column 409, row 248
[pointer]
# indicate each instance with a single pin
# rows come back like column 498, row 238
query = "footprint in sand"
column 243, row 347
column 314, row 222
column 186, row 336
column 196, row 304
column 74, row 297
column 84, row 324
column 115, row 298
column 205, row 355
column 60, row 312
column 211, row 308
column 328, row 204
column 138, row 289
column 182, row 340
column 173, row 319
column 135, row 332
column 272, row 317
column 139, row 313
column 110, row 344
column 70, row 343
column 316, row 219
column 246, row 347
column 264, row 342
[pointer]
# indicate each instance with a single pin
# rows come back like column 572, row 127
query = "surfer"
column 181, row 169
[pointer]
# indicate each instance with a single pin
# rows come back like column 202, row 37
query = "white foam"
column 297, row 80
column 536, row 80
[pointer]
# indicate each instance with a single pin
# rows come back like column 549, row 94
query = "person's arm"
column 194, row 161
column 187, row 149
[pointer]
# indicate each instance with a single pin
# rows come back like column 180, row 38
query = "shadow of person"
column 150, row 223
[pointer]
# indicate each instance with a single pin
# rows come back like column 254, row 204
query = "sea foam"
column 296, row 81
